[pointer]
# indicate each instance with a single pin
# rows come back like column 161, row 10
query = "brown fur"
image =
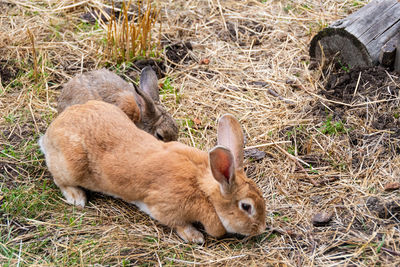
column 142, row 104
column 95, row 146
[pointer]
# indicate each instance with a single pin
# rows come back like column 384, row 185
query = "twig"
column 19, row 253
column 273, row 92
column 32, row 114
column 296, row 160
column 287, row 101
column 183, row 261
column 358, row 82
column 391, row 251
column 34, row 55
column 190, row 134
column 266, row 144
column 222, row 15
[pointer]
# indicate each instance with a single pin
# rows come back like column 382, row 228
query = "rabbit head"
column 239, row 204
column 154, row 118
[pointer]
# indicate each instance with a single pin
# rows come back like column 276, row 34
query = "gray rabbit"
column 142, row 105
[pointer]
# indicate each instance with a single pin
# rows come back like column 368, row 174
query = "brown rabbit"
column 141, row 105
column 95, row 146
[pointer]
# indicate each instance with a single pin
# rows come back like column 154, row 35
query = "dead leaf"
column 204, row 61
column 392, row 186
column 197, row 121
column 290, row 233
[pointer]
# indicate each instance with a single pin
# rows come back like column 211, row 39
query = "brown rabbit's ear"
column 230, row 135
column 222, row 167
column 149, row 83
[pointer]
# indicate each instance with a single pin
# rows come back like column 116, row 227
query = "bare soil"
column 377, row 86
column 367, row 102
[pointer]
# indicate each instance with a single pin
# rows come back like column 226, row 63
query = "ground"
column 327, row 139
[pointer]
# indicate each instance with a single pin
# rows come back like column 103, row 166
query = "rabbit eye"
column 159, row 137
column 246, row 207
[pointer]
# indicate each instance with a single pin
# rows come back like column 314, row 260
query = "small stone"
column 254, row 154
column 316, row 199
column 392, row 186
column 321, row 218
column 290, row 81
column 259, row 83
column 377, row 206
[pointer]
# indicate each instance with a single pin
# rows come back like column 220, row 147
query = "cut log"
column 358, row 39
column 397, row 59
column 388, row 52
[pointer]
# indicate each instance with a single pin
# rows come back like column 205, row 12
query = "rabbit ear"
column 222, row 167
column 146, row 104
column 230, row 135
column 149, row 83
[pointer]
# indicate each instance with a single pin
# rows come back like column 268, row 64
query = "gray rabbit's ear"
column 146, row 105
column 149, row 83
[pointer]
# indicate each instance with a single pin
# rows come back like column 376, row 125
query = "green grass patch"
column 287, row 8
column 150, row 239
column 331, row 127
column 168, row 89
column 26, row 202
column 378, row 249
column 87, row 27
column 8, row 151
column 312, row 170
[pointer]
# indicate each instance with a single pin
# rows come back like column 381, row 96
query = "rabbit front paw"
column 190, row 234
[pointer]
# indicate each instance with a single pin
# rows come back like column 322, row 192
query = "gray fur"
column 107, row 86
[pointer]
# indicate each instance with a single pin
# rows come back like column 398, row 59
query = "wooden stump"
column 397, row 58
column 367, row 37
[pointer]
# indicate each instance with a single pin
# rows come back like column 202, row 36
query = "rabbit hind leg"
column 66, row 177
column 74, row 195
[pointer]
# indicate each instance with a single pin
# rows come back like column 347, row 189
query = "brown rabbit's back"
column 99, row 132
column 105, row 149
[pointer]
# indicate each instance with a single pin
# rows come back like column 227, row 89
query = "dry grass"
column 258, row 57
column 128, row 39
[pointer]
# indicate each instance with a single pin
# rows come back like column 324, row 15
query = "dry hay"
column 323, row 152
